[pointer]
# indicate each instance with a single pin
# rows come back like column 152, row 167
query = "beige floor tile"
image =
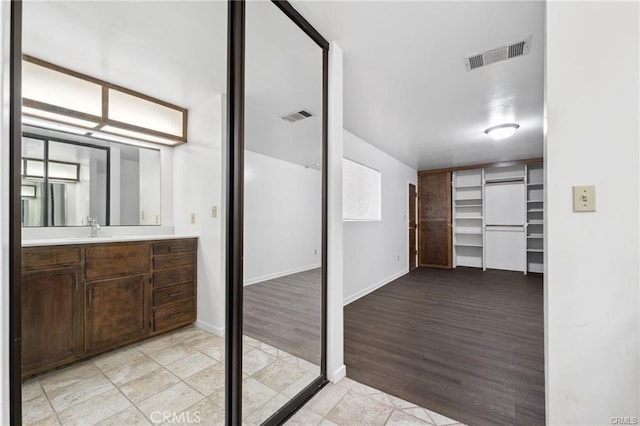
column 254, row 394
column 326, row 399
column 31, row 389
column 208, row 380
column 286, row 356
column 255, row 360
column 68, row 396
column 279, row 374
column 156, row 344
column 418, row 412
column 205, row 412
column 196, row 337
column 266, row 410
column 355, row 409
column 251, row 341
column 51, row 420
column 117, row 358
column 36, row 409
column 308, row 366
column 218, row 396
column 401, row 403
column 96, row 409
column 190, row 365
column 382, row 397
column 129, row 417
column 146, row 386
column 172, row 353
column 399, row 418
column 268, row 349
column 213, row 348
column 305, row 417
column 439, row 419
column 171, row 401
column 68, row 376
column 296, row 387
column 131, row 370
column 327, row 422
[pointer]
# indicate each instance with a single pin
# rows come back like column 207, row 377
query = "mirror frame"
column 235, row 212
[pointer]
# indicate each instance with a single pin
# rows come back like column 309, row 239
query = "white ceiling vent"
column 498, row 54
column 296, row 116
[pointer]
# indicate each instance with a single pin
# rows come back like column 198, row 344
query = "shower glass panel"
column 282, row 263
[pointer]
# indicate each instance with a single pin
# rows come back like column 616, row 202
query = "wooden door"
column 434, row 213
column 117, row 311
column 51, row 325
column 412, row 227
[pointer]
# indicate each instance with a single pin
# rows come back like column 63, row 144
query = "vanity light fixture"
column 502, row 131
column 59, row 95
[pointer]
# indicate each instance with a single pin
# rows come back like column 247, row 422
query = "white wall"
column 282, row 218
column 376, row 253
column 197, row 173
column 4, row 213
column 591, row 287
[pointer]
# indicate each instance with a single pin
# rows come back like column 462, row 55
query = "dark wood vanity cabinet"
column 51, row 326
column 78, row 301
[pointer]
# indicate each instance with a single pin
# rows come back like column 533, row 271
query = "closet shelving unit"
column 535, row 218
column 468, row 221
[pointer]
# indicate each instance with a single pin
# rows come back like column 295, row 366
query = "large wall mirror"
column 68, row 178
column 283, row 212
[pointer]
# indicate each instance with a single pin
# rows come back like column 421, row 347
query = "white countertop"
column 100, row 239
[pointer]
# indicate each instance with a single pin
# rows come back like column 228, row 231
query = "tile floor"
column 183, row 372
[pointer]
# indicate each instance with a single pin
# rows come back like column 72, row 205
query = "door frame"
column 413, row 231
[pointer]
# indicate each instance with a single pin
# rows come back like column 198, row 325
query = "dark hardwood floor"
column 285, row 313
column 465, row 343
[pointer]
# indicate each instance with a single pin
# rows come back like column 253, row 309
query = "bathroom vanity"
column 85, row 297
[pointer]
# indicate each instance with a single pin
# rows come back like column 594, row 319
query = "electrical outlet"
column 584, row 198
column 193, row 218
column 214, row 211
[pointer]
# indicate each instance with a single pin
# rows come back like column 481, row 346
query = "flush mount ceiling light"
column 58, row 95
column 502, row 131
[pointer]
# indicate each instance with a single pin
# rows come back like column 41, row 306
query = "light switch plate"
column 193, row 218
column 584, row 198
column 214, row 211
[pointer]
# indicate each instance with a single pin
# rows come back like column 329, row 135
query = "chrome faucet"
column 93, row 223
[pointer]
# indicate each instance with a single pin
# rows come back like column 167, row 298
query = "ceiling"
column 406, row 88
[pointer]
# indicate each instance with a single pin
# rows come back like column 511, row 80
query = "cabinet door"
column 434, row 210
column 117, row 311
column 51, row 318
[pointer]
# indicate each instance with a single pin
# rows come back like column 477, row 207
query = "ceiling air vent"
column 498, row 54
column 296, row 116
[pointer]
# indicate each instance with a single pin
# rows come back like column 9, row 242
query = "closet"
column 494, row 218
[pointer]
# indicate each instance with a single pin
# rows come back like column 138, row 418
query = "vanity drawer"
column 109, row 260
column 173, row 276
column 173, row 315
column 174, row 246
column 50, row 256
column 173, row 260
column 174, row 293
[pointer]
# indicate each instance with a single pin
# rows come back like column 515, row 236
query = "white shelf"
column 536, row 236
column 540, row 184
column 535, row 201
column 467, row 245
column 468, row 218
column 468, row 205
column 468, row 232
column 535, row 210
column 467, row 199
column 536, row 222
column 532, row 250
column 468, row 187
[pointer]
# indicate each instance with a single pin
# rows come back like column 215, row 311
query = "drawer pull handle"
column 175, row 294
column 175, row 315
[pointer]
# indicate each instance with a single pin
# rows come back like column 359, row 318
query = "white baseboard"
column 338, row 375
column 218, row 331
column 280, row 274
column 374, row 287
